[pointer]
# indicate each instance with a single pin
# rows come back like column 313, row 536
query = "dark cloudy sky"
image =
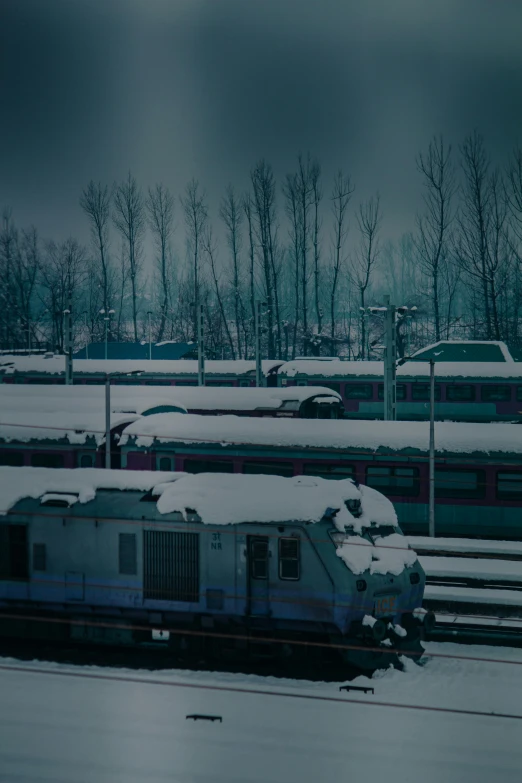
column 175, row 88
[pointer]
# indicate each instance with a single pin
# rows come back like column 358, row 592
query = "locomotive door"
column 258, row 575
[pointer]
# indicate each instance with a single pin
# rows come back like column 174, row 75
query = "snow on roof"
column 217, row 499
column 141, row 398
column 56, row 365
column 228, row 499
column 74, row 427
column 457, row 348
column 412, row 369
column 390, row 555
column 19, row 483
column 450, row 437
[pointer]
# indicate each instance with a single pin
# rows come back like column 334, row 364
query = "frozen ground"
column 64, row 724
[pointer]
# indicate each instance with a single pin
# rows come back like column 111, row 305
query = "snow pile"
column 390, row 555
column 74, row 427
column 19, row 483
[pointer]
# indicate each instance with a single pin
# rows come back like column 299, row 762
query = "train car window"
column 244, row 383
column 329, row 471
column 228, row 384
column 39, row 557
column 519, row 393
column 14, row 562
column 94, row 381
column 208, row 466
column 393, row 480
column 259, row 558
column 463, row 392
column 285, row 469
column 165, row 463
column 158, row 382
column 301, row 383
column 289, row 560
column 12, row 458
column 358, row 391
column 401, row 391
column 459, row 483
column 495, row 392
column 420, row 392
column 86, row 461
column 127, row 554
column 47, row 460
column 509, row 486
column 186, row 383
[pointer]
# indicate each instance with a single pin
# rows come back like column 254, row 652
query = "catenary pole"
column 107, row 421
column 390, row 364
column 201, row 347
column 257, row 325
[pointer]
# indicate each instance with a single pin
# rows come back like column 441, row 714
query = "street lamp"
column 106, row 317
column 108, row 377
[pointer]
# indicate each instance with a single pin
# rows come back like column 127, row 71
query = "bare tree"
column 8, row 252
column 432, row 239
column 263, row 185
column 160, row 205
column 64, row 271
column 232, row 217
column 316, row 198
column 363, row 261
column 209, row 248
column 290, row 191
column 96, row 203
column 196, row 215
column 340, row 198
column 25, row 274
column 247, row 208
column 474, row 221
column 129, row 219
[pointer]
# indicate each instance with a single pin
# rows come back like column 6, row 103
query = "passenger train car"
column 464, row 391
column 478, row 391
column 226, row 566
column 296, row 402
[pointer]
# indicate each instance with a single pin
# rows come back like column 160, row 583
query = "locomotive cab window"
column 393, row 480
column 358, row 391
column 463, row 392
column 289, row 560
column 496, row 392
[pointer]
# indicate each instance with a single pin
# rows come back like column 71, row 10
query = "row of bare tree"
column 315, row 264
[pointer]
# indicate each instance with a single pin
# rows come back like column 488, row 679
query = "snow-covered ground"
column 63, row 724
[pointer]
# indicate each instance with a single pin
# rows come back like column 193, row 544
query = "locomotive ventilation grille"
column 170, row 566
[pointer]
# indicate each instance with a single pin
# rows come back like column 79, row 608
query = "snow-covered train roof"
column 450, row 437
column 140, row 399
column 216, row 499
column 54, row 365
column 465, row 350
column 336, row 368
column 73, row 426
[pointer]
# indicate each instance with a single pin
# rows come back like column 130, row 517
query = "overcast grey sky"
column 175, row 88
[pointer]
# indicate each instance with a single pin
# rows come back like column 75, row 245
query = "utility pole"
column 107, row 420
column 432, row 451
column 259, row 367
column 149, row 314
column 201, row 347
column 390, row 363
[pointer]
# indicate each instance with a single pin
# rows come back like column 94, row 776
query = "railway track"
column 475, row 589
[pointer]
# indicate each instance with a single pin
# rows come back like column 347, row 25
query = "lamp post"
column 106, row 317
column 108, row 377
